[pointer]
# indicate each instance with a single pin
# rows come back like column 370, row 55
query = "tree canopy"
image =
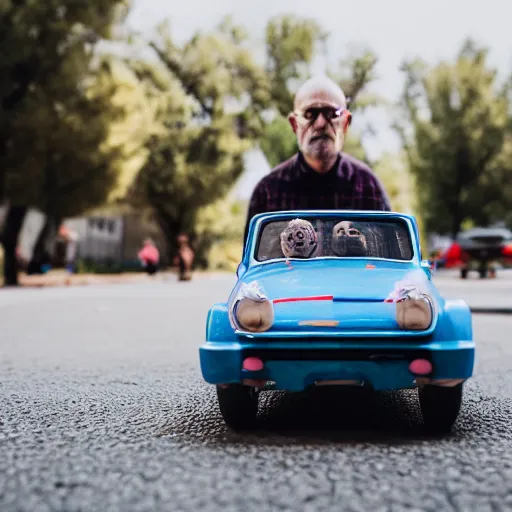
column 456, row 130
column 210, row 95
column 57, row 110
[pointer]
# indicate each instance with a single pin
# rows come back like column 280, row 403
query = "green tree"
column 278, row 141
column 291, row 45
column 457, row 138
column 219, row 230
column 69, row 167
column 209, row 96
column 392, row 169
column 58, row 107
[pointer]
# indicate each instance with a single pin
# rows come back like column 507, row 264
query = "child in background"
column 149, row 256
column 184, row 259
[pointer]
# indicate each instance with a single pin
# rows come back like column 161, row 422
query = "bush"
column 107, row 267
column 219, row 231
column 225, row 256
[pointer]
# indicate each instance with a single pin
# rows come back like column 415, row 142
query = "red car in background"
column 479, row 249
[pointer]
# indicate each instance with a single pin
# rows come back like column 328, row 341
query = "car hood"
column 298, row 279
column 314, row 298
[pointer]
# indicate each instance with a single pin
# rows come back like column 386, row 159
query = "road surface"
column 102, row 407
column 480, row 294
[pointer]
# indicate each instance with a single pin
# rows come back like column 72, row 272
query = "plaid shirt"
column 293, row 185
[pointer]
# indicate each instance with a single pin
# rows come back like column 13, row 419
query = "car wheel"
column 440, row 406
column 464, row 273
column 238, row 405
column 483, row 273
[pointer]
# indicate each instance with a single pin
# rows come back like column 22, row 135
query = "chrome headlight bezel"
column 414, row 294
column 250, row 293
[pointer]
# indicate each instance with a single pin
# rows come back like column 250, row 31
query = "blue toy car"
column 337, row 298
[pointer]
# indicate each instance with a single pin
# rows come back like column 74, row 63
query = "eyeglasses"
column 329, row 113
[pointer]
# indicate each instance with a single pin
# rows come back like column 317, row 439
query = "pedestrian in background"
column 149, row 257
column 185, row 258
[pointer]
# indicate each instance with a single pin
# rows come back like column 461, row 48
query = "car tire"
column 464, row 273
column 238, row 405
column 440, row 406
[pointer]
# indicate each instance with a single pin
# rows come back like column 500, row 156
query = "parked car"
column 482, row 248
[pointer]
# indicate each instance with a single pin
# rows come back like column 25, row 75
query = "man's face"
column 320, row 121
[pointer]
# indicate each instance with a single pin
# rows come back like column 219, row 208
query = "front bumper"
column 296, row 366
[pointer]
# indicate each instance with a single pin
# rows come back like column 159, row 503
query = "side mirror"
column 428, row 267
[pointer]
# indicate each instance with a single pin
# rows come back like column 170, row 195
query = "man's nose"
column 320, row 121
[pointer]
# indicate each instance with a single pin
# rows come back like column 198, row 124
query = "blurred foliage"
column 57, row 104
column 456, row 130
column 291, row 45
column 87, row 266
column 70, row 166
column 57, row 110
column 392, row 169
column 209, row 96
column 219, row 231
column 278, row 142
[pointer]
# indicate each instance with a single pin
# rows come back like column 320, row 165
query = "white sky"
column 394, row 29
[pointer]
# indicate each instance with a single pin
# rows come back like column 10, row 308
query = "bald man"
column 319, row 175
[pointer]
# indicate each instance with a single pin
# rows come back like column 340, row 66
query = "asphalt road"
column 102, row 407
column 480, row 294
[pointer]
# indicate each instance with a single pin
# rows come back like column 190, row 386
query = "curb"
column 491, row 311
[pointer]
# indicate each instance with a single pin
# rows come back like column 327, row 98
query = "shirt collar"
column 308, row 170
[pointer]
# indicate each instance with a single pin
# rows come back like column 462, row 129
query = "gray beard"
column 322, row 151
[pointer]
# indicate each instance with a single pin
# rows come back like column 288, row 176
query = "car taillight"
column 507, row 250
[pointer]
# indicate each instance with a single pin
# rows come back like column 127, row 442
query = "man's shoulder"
column 355, row 167
column 364, row 178
column 281, row 172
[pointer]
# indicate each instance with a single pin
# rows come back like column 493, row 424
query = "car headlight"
column 414, row 310
column 251, row 309
column 254, row 315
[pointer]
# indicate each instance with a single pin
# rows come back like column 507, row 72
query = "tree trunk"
column 41, row 250
column 170, row 230
column 456, row 223
column 10, row 235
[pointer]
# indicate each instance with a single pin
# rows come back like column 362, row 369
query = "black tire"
column 238, row 405
column 440, row 406
column 483, row 273
column 464, row 273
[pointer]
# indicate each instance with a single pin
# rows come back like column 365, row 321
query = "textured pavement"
column 102, row 407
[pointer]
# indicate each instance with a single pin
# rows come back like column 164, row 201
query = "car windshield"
column 315, row 237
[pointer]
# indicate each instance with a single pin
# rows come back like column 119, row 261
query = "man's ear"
column 348, row 121
column 293, row 121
